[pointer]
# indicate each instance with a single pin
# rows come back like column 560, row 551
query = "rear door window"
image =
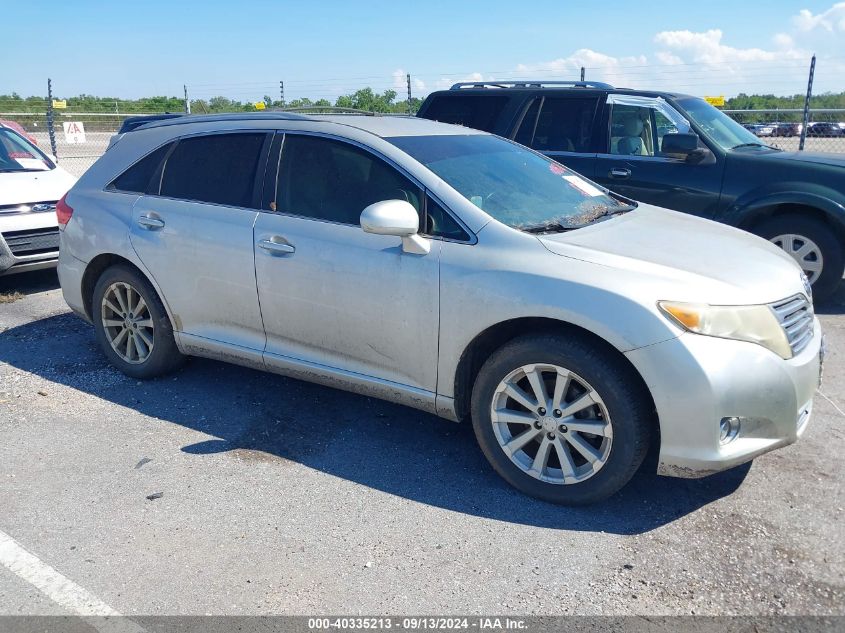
column 480, row 112
column 218, row 168
column 564, row 124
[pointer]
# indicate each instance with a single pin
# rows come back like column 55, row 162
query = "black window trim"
column 259, row 169
column 342, row 139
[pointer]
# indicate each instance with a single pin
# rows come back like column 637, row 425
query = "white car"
column 30, row 185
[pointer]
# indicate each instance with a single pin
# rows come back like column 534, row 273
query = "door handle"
column 277, row 248
column 151, row 223
column 619, row 172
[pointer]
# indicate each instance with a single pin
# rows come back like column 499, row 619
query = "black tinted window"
column 480, row 112
column 137, row 178
column 525, row 134
column 440, row 224
column 565, row 125
column 330, row 180
column 219, row 168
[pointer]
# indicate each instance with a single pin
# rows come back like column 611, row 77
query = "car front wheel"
column 131, row 324
column 561, row 419
column 814, row 247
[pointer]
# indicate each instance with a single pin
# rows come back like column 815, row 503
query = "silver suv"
column 452, row 271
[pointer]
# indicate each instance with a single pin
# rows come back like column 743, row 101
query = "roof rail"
column 157, row 121
column 530, row 83
column 329, row 109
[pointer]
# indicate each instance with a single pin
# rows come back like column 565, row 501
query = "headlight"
column 754, row 324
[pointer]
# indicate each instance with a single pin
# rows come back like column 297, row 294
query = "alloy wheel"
column 551, row 423
column 127, row 323
column 804, row 251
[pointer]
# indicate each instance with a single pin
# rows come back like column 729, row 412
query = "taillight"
column 63, row 211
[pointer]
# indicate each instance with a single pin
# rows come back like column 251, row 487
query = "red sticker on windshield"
column 557, row 169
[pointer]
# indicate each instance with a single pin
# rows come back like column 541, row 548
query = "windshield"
column 718, row 126
column 516, row 186
column 18, row 154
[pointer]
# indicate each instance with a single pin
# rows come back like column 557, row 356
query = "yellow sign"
column 716, row 101
column 59, row 104
column 260, row 105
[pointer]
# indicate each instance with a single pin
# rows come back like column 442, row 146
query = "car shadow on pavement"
column 834, row 305
column 29, row 283
column 391, row 448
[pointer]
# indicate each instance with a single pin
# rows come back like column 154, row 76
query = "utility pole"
column 282, row 93
column 187, row 103
column 582, row 73
column 807, row 104
column 408, row 79
column 50, row 128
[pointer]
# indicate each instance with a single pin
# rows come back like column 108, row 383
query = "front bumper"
column 28, row 245
column 696, row 381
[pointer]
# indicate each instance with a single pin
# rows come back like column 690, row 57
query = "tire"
column 116, row 292
column 814, row 232
column 624, row 411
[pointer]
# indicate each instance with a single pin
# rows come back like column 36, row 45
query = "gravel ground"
column 283, row 497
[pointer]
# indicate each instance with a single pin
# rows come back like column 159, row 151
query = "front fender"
column 754, row 205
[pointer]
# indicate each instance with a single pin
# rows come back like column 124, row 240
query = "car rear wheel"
column 132, row 326
column 813, row 245
column 560, row 419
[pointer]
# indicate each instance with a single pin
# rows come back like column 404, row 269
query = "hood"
column 688, row 258
column 819, row 158
column 34, row 186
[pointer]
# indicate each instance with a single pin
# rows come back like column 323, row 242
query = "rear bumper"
column 71, row 271
column 696, row 381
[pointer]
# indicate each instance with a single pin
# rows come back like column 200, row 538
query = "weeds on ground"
column 10, row 297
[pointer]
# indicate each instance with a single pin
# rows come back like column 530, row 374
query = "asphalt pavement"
column 223, row 490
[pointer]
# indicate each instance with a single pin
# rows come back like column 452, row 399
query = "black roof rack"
column 132, row 122
column 158, row 120
column 530, row 83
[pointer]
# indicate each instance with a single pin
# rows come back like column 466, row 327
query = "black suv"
column 673, row 151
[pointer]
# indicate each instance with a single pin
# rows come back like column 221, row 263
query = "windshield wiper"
column 753, row 145
column 546, row 227
column 570, row 223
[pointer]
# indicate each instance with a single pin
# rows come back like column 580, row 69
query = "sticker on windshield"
column 583, row 186
column 31, row 163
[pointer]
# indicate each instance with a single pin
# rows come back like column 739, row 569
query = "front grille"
column 32, row 241
column 796, row 318
column 29, row 207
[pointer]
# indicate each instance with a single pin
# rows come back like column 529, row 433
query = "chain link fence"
column 88, row 134
column 78, row 138
column 783, row 128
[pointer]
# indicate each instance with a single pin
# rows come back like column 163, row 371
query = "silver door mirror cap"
column 399, row 218
column 390, row 217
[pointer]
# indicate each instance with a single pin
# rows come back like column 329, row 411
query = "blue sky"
column 322, row 49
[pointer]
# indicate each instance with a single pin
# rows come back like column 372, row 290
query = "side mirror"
column 682, row 144
column 686, row 147
column 399, row 218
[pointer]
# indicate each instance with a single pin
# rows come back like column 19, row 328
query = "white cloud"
column 703, row 62
column 400, row 83
column 831, row 20
column 444, row 82
column 707, row 48
column 783, row 40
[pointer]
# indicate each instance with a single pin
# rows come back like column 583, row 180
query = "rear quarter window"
column 480, row 112
column 137, row 178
